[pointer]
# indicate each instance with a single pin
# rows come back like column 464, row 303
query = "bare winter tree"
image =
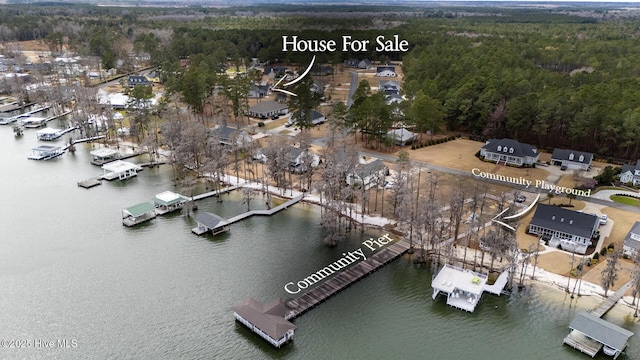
column 610, row 272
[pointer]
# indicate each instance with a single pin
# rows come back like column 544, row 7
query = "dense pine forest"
column 563, row 77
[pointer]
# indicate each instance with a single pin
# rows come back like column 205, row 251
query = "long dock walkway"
column 609, row 302
column 215, row 192
column 343, row 280
column 264, row 212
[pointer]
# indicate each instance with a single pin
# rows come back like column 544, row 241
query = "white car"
column 603, row 219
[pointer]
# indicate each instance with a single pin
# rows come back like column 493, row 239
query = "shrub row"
column 432, row 142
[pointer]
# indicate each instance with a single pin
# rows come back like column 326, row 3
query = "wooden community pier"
column 589, row 333
column 346, row 278
column 271, row 321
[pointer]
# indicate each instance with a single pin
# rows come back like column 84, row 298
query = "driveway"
column 606, row 194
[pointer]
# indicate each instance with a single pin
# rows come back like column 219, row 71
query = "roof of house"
column 267, row 106
column 630, row 167
column 565, row 154
column 566, row 221
column 385, row 68
column 119, row 166
column 364, row 170
column 227, row 132
column 402, row 134
column 140, row 209
column 389, row 86
column 269, row 318
column 210, row 220
column 601, row 330
column 519, row 149
column 629, row 241
column 314, row 116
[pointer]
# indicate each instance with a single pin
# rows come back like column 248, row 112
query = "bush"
column 260, row 124
column 610, row 246
column 413, row 147
column 603, row 251
column 596, row 256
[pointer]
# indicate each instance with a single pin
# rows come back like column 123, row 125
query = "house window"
column 581, row 158
column 511, row 150
column 499, row 148
column 571, row 156
column 504, row 149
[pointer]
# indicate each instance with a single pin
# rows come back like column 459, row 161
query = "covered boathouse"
column 138, row 213
column 104, row 155
column 464, row 288
column 590, row 333
column 210, row 222
column 119, row 169
column 46, row 152
column 266, row 320
column 168, row 201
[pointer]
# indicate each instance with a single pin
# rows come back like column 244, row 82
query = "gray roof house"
column 258, row 91
column 368, row 174
column 135, row 80
column 632, row 240
column 268, row 321
column 386, row 71
column 571, row 230
column 631, row 173
column 231, row 136
column 509, row 151
column 389, row 87
column 300, row 161
column 402, row 136
column 574, row 160
column 267, row 109
column 358, row 64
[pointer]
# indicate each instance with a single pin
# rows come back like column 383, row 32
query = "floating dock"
column 89, row 183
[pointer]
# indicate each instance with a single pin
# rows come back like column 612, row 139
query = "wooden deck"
column 609, row 302
column 215, row 193
column 343, row 280
column 89, row 183
column 580, row 342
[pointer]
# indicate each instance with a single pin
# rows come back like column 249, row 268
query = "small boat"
column 609, row 350
column 18, row 130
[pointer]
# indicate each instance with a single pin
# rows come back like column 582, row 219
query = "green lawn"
column 626, row 200
column 609, row 188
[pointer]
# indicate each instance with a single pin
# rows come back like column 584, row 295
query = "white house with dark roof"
column 389, row 87
column 631, row 173
column 358, row 64
column 571, row 159
column 632, row 240
column 368, row 174
column 386, row 71
column 267, row 109
column 509, row 152
column 231, row 136
column 571, row 230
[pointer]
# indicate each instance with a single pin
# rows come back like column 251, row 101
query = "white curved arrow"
column 274, row 88
column 515, row 216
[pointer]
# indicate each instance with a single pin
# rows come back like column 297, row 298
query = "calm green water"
column 70, row 270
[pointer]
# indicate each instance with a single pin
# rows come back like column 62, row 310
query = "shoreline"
column 542, row 276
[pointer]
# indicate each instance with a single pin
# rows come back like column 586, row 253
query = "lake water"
column 69, row 270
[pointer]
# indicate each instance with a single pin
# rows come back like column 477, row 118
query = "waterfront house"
column 402, row 136
column 267, row 109
column 102, row 156
column 268, row 321
column 568, row 229
column 210, row 222
column 509, row 152
column 632, row 240
column 571, row 159
column 231, row 136
column 301, row 160
column 368, row 174
column 590, row 333
column 46, row 152
column 168, row 201
column 120, row 170
column 138, row 214
column 631, row 174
